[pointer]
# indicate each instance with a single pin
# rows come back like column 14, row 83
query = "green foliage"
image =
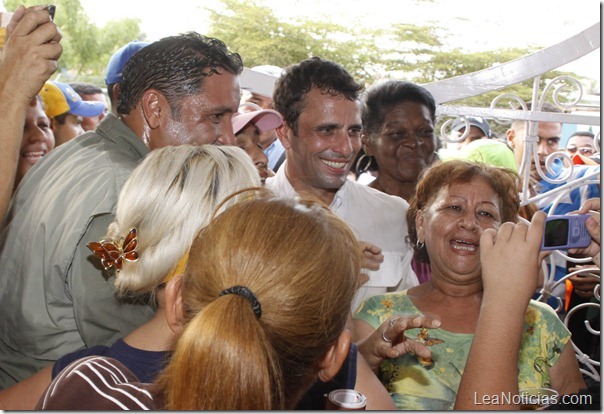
column 253, row 31
column 403, row 51
column 86, row 47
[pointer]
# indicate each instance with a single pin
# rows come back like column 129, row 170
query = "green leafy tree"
column 254, row 31
column 409, row 48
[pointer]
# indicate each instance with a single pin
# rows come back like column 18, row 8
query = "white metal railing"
column 497, row 78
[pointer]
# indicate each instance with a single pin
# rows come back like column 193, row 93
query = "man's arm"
column 29, row 58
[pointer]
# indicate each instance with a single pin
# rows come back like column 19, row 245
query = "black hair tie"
column 247, row 294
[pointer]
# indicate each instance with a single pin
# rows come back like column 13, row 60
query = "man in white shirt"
column 321, row 134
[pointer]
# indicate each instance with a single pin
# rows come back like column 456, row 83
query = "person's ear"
column 419, row 226
column 284, row 133
column 116, row 94
column 334, row 358
column 365, row 144
column 154, row 107
column 510, row 135
column 174, row 308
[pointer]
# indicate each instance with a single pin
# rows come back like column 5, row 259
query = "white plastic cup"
column 345, row 400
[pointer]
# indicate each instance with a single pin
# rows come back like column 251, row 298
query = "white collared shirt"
column 375, row 217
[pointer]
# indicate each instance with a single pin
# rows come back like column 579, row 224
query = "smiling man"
column 54, row 299
column 321, row 134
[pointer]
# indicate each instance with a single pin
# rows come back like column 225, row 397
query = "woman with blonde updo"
column 168, row 198
column 257, row 331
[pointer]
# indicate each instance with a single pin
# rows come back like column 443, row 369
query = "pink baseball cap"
column 264, row 119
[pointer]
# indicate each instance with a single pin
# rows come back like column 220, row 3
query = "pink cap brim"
column 265, row 120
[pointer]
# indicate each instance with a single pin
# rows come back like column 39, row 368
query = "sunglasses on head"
column 582, row 150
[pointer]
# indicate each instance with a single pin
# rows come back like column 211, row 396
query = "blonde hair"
column 168, row 198
column 302, row 264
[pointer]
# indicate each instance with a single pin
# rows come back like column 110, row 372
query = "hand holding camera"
column 31, row 51
column 592, row 208
column 566, row 232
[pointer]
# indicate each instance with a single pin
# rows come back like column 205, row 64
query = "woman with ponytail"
column 263, row 311
column 168, row 198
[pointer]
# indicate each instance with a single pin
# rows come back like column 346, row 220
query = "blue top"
column 571, row 201
column 146, row 365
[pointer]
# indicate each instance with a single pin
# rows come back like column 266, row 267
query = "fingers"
column 544, row 254
column 535, row 230
column 372, row 256
column 410, row 346
column 388, row 340
column 520, row 234
column 17, row 16
column 24, row 21
column 394, row 328
column 510, row 259
column 371, row 262
column 584, row 294
column 487, row 240
column 394, row 331
column 371, row 248
column 584, row 281
column 590, row 204
column 507, row 231
column 593, row 227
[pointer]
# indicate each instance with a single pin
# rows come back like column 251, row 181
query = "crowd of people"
column 203, row 244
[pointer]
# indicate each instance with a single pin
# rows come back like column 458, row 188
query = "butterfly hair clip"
column 114, row 254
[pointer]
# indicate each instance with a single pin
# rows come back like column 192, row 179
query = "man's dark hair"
column 582, row 134
column 546, row 107
column 383, row 96
column 297, row 80
column 85, row 88
column 176, row 66
column 61, row 119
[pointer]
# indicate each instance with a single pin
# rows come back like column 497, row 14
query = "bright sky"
column 474, row 25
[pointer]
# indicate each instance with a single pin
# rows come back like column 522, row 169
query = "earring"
column 364, row 164
column 419, row 245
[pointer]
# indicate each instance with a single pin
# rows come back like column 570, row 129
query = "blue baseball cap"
column 59, row 98
column 475, row 121
column 118, row 61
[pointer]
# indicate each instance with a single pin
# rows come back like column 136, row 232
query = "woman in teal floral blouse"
column 455, row 203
